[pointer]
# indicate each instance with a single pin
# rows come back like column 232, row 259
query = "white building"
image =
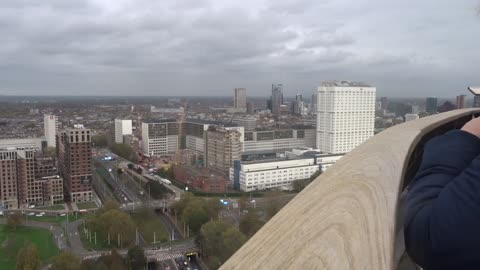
column 261, row 175
column 345, row 115
column 160, row 138
column 122, row 128
column 411, row 117
column 50, row 125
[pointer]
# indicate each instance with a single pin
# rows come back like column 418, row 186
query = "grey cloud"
column 56, row 46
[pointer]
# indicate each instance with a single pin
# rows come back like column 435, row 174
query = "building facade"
column 345, row 115
column 431, row 105
column 460, row 102
column 476, row 101
column 411, row 117
column 24, row 175
column 122, row 128
column 240, row 99
column 222, row 147
column 74, row 151
column 261, row 175
column 50, row 125
column 249, row 123
column 277, row 141
column 8, row 179
column 277, row 99
column 250, row 108
column 160, row 137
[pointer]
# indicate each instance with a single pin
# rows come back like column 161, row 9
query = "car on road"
column 31, row 214
column 39, row 215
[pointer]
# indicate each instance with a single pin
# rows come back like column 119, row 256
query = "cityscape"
column 188, row 135
column 64, row 160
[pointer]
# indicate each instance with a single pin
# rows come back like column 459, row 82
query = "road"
column 172, row 229
column 76, row 245
column 167, row 251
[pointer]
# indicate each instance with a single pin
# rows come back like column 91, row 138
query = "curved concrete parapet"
column 346, row 218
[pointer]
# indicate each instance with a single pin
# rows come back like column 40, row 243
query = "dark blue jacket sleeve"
column 442, row 222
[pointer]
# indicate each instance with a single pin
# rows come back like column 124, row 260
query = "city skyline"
column 104, row 52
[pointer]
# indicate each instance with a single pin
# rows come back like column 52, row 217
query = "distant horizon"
column 468, row 96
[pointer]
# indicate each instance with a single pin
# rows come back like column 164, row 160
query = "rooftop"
column 345, row 84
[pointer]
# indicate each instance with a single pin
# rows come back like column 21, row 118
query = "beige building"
column 222, row 147
column 240, row 99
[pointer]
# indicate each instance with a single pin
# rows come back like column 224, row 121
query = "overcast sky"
column 209, row 47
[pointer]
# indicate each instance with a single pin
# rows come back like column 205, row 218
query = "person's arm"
column 443, row 204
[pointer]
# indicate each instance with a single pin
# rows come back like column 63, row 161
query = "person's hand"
column 473, row 127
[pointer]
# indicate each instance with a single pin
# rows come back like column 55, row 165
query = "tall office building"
column 122, row 128
column 222, row 147
column 460, row 102
column 240, row 99
column 345, row 115
column 431, row 105
column 74, row 149
column 277, row 99
column 50, row 124
column 298, row 105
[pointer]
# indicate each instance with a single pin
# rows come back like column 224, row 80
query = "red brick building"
column 201, row 179
column 74, row 151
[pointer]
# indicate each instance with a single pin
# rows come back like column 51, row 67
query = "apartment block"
column 74, row 151
column 28, row 178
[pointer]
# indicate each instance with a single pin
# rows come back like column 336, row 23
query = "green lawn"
column 86, row 205
column 40, row 237
column 53, row 207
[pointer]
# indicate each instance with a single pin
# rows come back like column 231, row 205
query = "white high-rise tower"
column 345, row 115
column 50, row 124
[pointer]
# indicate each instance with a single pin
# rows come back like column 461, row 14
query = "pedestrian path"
column 159, row 257
column 74, row 207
